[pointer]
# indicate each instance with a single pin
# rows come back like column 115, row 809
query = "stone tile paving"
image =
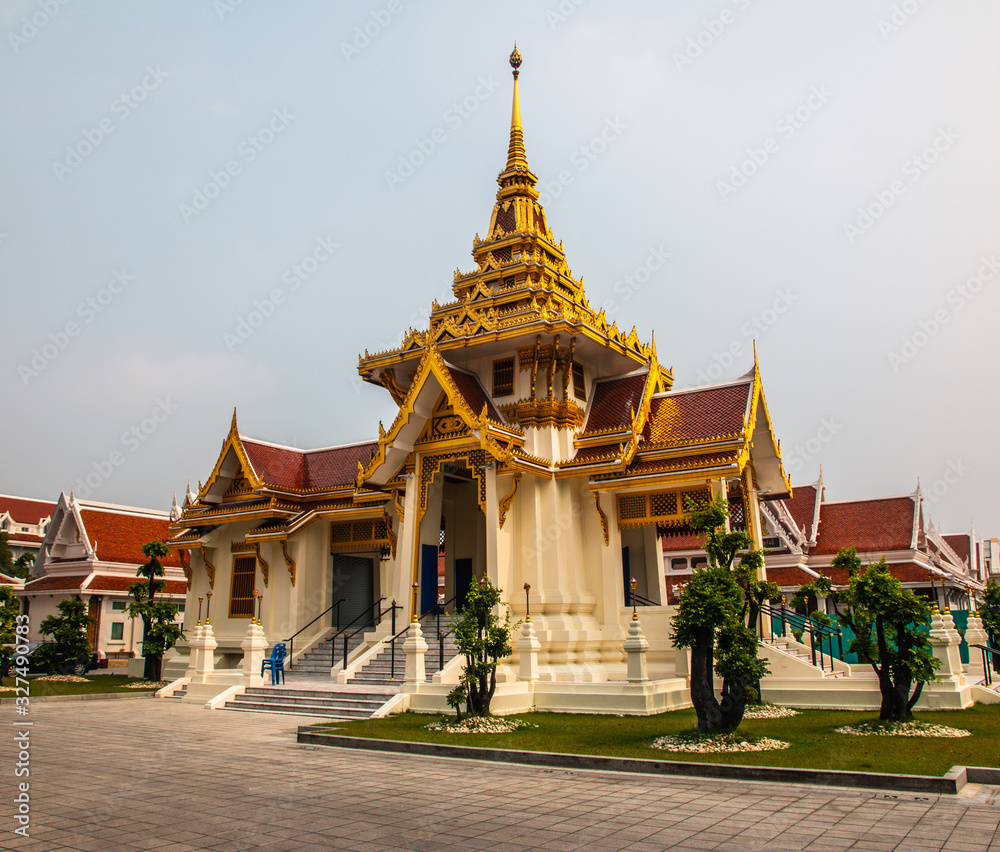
column 163, row 775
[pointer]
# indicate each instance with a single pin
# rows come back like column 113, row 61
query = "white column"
column 528, row 648
column 202, row 645
column 636, row 646
column 254, row 645
column 415, row 647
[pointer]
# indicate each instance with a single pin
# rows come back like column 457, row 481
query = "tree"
column 159, row 630
column 715, row 617
column 70, row 651
column 20, row 567
column 484, row 639
column 9, row 610
column 888, row 623
column 989, row 612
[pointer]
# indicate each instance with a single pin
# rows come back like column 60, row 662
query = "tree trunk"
column 702, row 685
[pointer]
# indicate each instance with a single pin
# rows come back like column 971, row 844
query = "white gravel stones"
column 769, row 711
column 63, row 678
column 734, row 742
column 902, row 729
column 479, row 725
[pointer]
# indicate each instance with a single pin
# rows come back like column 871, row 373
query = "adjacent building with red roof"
column 92, row 551
column 804, row 532
column 25, row 522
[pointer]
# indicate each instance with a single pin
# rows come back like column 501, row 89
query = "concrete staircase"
column 179, row 693
column 316, row 662
column 329, row 703
column 378, row 671
column 796, row 650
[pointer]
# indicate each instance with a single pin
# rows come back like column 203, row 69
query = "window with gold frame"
column 503, row 377
column 241, row 599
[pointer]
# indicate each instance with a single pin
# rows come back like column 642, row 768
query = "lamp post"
column 415, row 618
column 944, row 596
column 527, row 603
column 199, row 612
column 208, row 608
column 260, row 602
column 635, row 615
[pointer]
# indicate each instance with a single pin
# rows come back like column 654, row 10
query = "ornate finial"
column 516, row 157
column 515, row 60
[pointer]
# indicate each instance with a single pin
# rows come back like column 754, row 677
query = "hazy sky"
column 823, row 176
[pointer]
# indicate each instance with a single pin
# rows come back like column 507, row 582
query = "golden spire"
column 516, row 156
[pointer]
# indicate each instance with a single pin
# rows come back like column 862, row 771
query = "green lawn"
column 813, row 741
column 95, row 683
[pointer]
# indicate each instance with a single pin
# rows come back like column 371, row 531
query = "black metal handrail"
column 434, row 610
column 291, row 639
column 990, row 654
column 641, row 601
column 345, row 631
column 804, row 623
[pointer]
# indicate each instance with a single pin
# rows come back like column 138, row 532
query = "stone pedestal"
column 528, row 648
column 975, row 635
column 254, row 647
column 202, row 644
column 415, row 648
column 636, row 646
column 944, row 644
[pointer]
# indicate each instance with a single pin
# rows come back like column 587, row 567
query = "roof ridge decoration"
column 521, row 283
column 232, row 441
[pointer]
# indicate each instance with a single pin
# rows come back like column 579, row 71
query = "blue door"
column 428, row 577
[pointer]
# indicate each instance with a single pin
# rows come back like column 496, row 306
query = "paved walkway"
column 147, row 774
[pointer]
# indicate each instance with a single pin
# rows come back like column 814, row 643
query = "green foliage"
column 889, row 624
column 6, row 556
column 160, row 631
column 714, row 619
column 989, row 609
column 8, row 614
column 22, row 566
column 483, row 637
column 69, row 633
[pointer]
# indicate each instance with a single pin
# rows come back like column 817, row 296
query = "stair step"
column 268, row 709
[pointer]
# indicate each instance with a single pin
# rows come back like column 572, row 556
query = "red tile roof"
column 473, row 393
column 26, row 511
column 960, row 544
column 114, row 583
column 697, row 414
column 688, row 462
column 613, row 403
column 52, row 584
column 119, row 536
column 6, row 580
column 790, row 576
column 300, row 470
column 871, row 526
column 802, row 506
column 683, row 541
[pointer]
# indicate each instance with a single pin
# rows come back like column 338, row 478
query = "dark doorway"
column 353, row 578
column 463, row 579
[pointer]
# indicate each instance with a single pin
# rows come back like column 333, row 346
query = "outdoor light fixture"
column 635, row 615
column 208, row 608
column 527, row 603
column 416, row 586
column 199, row 611
column 260, row 601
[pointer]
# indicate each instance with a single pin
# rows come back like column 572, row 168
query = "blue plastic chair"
column 276, row 663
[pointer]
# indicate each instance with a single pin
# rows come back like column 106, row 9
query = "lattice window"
column 663, row 504
column 503, row 377
column 359, row 535
column 632, row 506
column 579, row 388
column 679, row 563
column 241, row 599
